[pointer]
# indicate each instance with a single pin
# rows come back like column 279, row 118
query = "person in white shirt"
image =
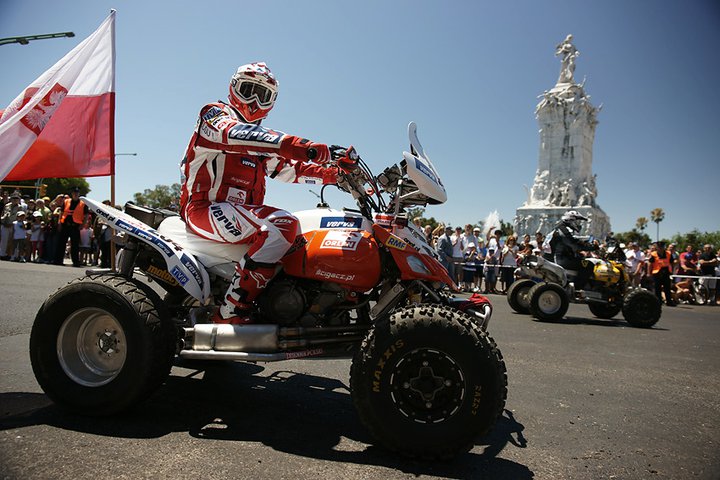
column 635, row 261
column 459, row 244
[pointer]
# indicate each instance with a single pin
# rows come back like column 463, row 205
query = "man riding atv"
column 546, row 288
column 567, row 247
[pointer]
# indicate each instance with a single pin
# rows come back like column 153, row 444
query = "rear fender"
column 183, row 266
column 413, row 265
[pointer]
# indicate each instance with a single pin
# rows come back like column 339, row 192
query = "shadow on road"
column 299, row 414
column 596, row 322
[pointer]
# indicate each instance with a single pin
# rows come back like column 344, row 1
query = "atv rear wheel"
column 604, row 310
column 548, row 301
column 427, row 381
column 641, row 309
column 517, row 295
column 99, row 345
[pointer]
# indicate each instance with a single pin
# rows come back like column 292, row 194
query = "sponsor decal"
column 148, row 237
column 337, row 240
column 426, row 170
column 334, row 276
column 297, row 244
column 380, row 366
column 394, row 242
column 254, row 133
column 240, row 181
column 309, row 180
column 212, row 113
column 192, row 269
column 161, row 274
column 384, row 220
column 236, row 196
column 105, row 215
column 304, row 353
column 249, row 163
column 179, row 275
column 230, row 227
column 341, row 222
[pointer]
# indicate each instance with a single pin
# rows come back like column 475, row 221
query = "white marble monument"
column 564, row 179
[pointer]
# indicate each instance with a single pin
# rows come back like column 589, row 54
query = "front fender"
column 183, row 266
column 477, row 306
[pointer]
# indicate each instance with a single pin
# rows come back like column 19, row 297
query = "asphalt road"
column 588, row 399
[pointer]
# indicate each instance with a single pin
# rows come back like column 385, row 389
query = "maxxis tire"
column 548, row 301
column 641, row 309
column 434, row 348
column 604, row 310
column 101, row 344
column 517, row 296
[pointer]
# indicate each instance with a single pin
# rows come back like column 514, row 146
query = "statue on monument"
column 568, row 53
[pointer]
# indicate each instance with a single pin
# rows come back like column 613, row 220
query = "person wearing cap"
column 72, row 218
column 659, row 264
column 9, row 216
column 20, row 234
column 36, row 237
column 445, row 251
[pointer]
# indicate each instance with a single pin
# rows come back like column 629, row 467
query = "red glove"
column 296, row 148
column 348, row 162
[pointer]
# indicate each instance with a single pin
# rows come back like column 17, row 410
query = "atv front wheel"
column 548, row 301
column 99, row 345
column 427, row 381
column 604, row 310
column 641, row 309
column 517, row 295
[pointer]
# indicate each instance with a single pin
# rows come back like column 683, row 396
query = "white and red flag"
column 63, row 124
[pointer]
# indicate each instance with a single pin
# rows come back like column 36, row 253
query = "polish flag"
column 63, row 124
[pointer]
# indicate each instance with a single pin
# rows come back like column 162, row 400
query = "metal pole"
column 24, row 40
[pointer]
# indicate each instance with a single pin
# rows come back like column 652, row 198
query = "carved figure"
column 568, row 53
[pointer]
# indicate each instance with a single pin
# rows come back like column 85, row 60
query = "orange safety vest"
column 78, row 214
column 660, row 262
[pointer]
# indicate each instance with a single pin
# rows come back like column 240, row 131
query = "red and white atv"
column 426, row 378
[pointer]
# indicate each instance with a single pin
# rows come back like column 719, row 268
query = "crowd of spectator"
column 42, row 230
column 487, row 263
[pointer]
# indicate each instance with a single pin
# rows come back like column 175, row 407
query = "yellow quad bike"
column 545, row 292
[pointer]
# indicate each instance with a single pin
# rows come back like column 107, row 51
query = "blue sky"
column 468, row 72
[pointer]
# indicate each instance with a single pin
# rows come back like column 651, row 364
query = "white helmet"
column 573, row 220
column 253, row 91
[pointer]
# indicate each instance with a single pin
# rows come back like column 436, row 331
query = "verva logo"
column 342, row 240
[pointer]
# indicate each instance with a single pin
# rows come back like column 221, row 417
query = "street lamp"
column 24, row 40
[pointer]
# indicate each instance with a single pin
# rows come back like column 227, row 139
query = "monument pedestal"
column 564, row 180
column 531, row 219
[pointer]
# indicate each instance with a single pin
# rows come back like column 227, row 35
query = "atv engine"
column 287, row 303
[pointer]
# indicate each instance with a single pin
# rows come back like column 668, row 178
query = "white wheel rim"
column 549, row 302
column 91, row 347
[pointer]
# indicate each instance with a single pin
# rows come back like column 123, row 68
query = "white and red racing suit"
column 223, row 192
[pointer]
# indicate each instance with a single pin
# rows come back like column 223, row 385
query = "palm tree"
column 641, row 223
column 657, row 216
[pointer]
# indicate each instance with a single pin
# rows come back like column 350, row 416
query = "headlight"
column 417, row 265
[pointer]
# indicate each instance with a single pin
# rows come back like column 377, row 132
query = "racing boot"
column 245, row 286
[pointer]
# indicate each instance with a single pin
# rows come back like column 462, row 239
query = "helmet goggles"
column 247, row 91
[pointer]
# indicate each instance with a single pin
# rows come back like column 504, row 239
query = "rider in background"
column 567, row 247
column 223, row 183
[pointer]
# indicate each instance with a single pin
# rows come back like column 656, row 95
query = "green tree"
column 162, row 196
column 641, row 223
column 641, row 238
column 696, row 239
column 657, row 215
column 55, row 186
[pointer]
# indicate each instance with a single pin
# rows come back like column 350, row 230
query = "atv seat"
column 149, row 216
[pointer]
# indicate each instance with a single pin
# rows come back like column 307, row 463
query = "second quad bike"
column 426, row 378
column 545, row 291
